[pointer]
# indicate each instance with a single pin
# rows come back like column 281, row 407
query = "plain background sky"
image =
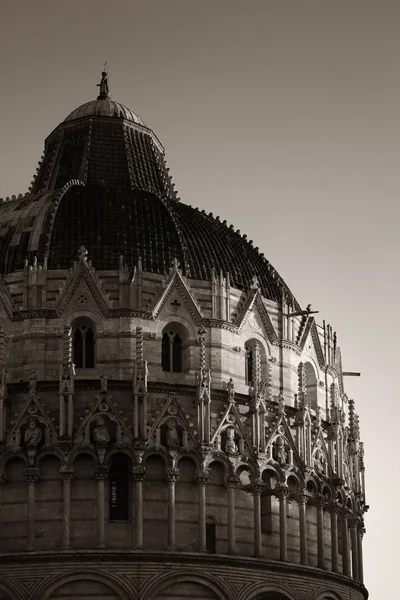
column 281, row 117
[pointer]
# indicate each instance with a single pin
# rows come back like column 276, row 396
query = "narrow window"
column 171, row 352
column 211, row 537
column 84, row 347
column 119, row 481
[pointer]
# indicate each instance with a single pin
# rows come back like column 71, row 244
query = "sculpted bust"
column 33, row 434
column 100, row 432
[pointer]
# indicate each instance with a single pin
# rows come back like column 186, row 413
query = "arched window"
column 175, row 348
column 119, row 490
column 211, row 536
column 83, row 344
column 311, row 385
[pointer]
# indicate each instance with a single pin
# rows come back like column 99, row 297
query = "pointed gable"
column 176, row 292
column 83, row 289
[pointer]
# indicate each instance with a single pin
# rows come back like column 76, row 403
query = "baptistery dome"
column 172, row 423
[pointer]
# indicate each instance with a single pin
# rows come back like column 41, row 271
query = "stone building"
column 172, row 424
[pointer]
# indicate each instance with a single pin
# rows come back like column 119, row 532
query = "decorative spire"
column 103, row 85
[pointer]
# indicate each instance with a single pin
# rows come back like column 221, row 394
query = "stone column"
column 171, row 478
column 257, row 491
column 32, row 477
column 67, row 474
column 302, row 500
column 354, row 547
column 101, row 476
column 2, row 482
column 360, row 533
column 345, row 542
column 282, row 493
column 320, row 531
column 138, row 475
column 202, row 478
column 231, row 487
column 334, row 537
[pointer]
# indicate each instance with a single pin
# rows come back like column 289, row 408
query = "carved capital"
column 67, row 473
column 282, row 491
column 32, row 475
column 138, row 473
column 101, row 473
column 172, row 476
column 232, row 482
column 202, row 477
column 303, row 498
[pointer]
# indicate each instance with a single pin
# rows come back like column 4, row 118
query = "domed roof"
column 104, row 184
column 104, row 107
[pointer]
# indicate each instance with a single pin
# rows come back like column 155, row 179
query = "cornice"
column 181, row 558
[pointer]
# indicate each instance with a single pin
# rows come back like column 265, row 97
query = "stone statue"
column 101, row 434
column 230, row 446
column 103, row 381
column 103, row 85
column 230, row 386
column 33, row 434
column 172, row 435
column 280, row 452
column 319, row 461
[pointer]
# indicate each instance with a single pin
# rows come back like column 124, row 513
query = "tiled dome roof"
column 104, row 184
column 104, row 107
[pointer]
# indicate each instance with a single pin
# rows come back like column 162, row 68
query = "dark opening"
column 84, row 347
column 211, row 537
column 119, row 492
column 171, row 352
column 165, row 359
column 249, row 366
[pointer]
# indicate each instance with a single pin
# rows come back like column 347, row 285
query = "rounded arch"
column 78, row 452
column 181, row 321
column 45, row 591
column 295, row 472
column 207, row 581
column 271, row 473
column 161, row 453
column 222, row 461
column 9, row 456
column 311, row 486
column 246, row 472
column 328, row 595
column 192, row 454
column 268, row 592
column 56, row 452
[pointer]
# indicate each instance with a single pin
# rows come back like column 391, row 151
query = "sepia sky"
column 281, row 116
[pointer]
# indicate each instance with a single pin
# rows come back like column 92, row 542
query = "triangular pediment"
column 255, row 316
column 281, row 428
column 171, row 410
column 311, row 344
column 232, row 418
column 319, row 444
column 33, row 410
column 83, row 289
column 103, row 408
column 176, row 296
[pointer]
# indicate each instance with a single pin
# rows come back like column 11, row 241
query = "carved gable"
column 83, row 289
column 177, row 297
column 255, row 317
